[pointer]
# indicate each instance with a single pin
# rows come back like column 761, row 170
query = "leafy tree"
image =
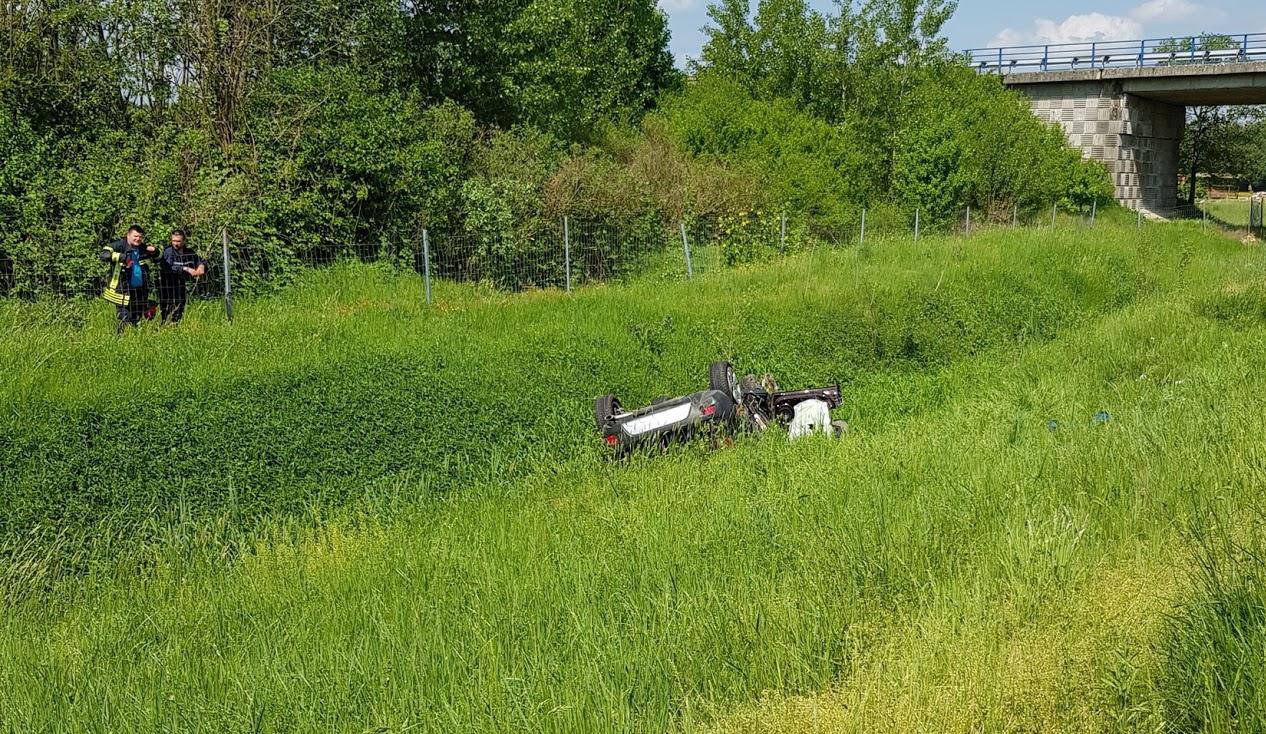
column 1254, row 150
column 1218, row 141
column 729, row 50
column 855, row 67
column 577, row 64
column 1193, row 48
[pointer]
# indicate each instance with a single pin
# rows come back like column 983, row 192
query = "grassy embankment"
column 349, row 512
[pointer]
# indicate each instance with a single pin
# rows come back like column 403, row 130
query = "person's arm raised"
column 110, row 254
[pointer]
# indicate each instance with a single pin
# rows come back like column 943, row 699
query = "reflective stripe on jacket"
column 118, row 291
column 114, row 294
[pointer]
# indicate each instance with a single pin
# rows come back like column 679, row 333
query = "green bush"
column 748, row 236
column 803, row 164
column 65, row 199
column 336, row 167
column 986, row 150
column 1089, row 185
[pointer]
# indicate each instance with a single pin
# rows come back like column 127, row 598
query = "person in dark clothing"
column 179, row 265
column 127, row 285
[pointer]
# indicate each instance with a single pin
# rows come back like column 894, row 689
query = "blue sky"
column 1010, row 22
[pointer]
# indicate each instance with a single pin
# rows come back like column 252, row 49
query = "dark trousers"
column 134, row 311
column 171, row 299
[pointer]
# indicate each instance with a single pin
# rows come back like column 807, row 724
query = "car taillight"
column 612, row 440
column 709, row 410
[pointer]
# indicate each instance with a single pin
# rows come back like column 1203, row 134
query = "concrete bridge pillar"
column 1135, row 138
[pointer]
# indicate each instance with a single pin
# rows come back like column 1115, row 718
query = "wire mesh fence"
column 567, row 253
column 1234, row 214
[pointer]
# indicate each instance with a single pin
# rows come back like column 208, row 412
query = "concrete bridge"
column 1124, row 102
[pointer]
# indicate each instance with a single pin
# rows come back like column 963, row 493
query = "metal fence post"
column 1094, row 211
column 1015, row 215
column 426, row 263
column 1054, row 209
column 863, row 239
column 567, row 249
column 916, row 224
column 969, row 220
column 782, row 236
column 685, row 246
column 228, row 281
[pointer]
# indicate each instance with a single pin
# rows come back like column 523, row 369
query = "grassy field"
column 348, row 512
column 1233, row 212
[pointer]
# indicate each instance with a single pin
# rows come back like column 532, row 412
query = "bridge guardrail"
column 1150, row 52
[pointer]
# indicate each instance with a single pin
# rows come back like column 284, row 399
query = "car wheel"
column 604, row 409
column 721, row 378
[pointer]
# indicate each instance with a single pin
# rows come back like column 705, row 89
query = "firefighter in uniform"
column 127, row 285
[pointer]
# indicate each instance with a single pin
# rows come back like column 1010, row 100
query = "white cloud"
column 1171, row 11
column 1073, row 29
column 1167, row 14
column 673, row 6
column 1177, row 11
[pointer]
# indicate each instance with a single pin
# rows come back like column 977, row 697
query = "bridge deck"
column 1199, row 84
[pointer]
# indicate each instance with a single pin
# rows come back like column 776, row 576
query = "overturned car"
column 729, row 404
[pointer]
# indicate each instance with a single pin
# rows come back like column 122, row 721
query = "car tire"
column 722, row 379
column 604, row 408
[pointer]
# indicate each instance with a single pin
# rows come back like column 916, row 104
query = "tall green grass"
column 1038, row 419
column 348, row 388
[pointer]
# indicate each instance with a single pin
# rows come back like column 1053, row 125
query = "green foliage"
column 780, row 54
column 68, row 197
column 505, row 219
column 340, row 165
column 308, row 130
column 23, row 178
column 802, row 163
column 1089, row 183
column 302, row 128
column 851, row 67
column 1241, row 309
column 986, row 151
column 1223, row 142
column 1190, row 48
column 580, row 64
column 749, row 236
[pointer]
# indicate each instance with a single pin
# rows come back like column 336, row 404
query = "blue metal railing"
column 1179, row 50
